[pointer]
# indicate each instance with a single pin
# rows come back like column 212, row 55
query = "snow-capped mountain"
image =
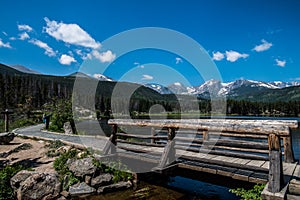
column 281, row 84
column 102, row 77
column 158, row 88
column 99, row 77
column 215, row 88
column 178, row 88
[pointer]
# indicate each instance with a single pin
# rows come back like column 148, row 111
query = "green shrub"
column 71, row 181
column 55, row 144
column 252, row 194
column 6, row 191
column 119, row 171
column 61, row 111
column 59, row 163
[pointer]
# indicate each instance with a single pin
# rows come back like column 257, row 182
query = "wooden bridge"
column 257, row 151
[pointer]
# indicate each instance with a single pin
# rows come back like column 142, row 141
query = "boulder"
column 101, row 180
column 114, row 187
column 81, row 167
column 19, row 178
column 6, row 138
column 33, row 185
column 81, row 189
column 68, row 128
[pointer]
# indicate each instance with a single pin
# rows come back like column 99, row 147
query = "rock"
column 63, row 149
column 20, row 177
column 101, row 180
column 114, row 187
column 81, row 167
column 81, row 189
column 87, row 179
column 6, row 138
column 65, row 193
column 61, row 198
column 68, row 128
column 33, row 185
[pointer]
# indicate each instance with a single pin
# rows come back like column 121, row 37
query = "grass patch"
column 24, row 146
column 251, row 194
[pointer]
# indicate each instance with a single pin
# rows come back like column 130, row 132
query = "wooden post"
column 205, row 138
column 168, row 155
column 153, row 134
column 288, row 150
column 111, row 142
column 276, row 170
column 6, row 119
column 114, row 139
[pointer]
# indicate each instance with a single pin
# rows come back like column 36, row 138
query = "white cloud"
column 107, row 56
column 24, row 27
column 178, row 60
column 218, row 56
column 23, row 36
column 48, row 50
column 139, row 65
column 4, row 33
column 263, row 47
column 233, row 56
column 12, row 38
column 280, row 63
column 147, row 77
column 5, row 45
column 70, row 33
column 66, row 59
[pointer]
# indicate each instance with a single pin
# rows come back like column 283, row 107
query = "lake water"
column 186, row 188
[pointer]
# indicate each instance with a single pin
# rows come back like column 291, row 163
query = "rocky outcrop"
column 68, row 128
column 6, row 138
column 33, row 185
column 101, row 180
column 81, row 189
column 81, row 167
column 114, row 187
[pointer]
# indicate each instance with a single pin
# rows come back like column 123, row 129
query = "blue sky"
column 250, row 39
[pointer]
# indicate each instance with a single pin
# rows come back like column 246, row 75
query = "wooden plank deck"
column 255, row 171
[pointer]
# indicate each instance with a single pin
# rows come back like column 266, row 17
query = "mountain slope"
column 24, row 69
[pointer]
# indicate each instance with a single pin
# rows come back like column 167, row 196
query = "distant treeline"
column 31, row 92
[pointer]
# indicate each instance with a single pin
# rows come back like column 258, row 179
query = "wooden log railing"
column 251, row 139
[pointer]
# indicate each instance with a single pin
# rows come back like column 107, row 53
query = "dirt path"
column 27, row 152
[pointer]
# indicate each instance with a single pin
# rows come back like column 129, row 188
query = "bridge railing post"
column 275, row 169
column 288, row 149
column 153, row 134
column 112, row 141
column 169, row 151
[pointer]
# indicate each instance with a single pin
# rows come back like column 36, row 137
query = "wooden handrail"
column 242, row 127
column 274, row 131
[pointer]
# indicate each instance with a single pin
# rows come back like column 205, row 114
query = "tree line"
column 33, row 92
